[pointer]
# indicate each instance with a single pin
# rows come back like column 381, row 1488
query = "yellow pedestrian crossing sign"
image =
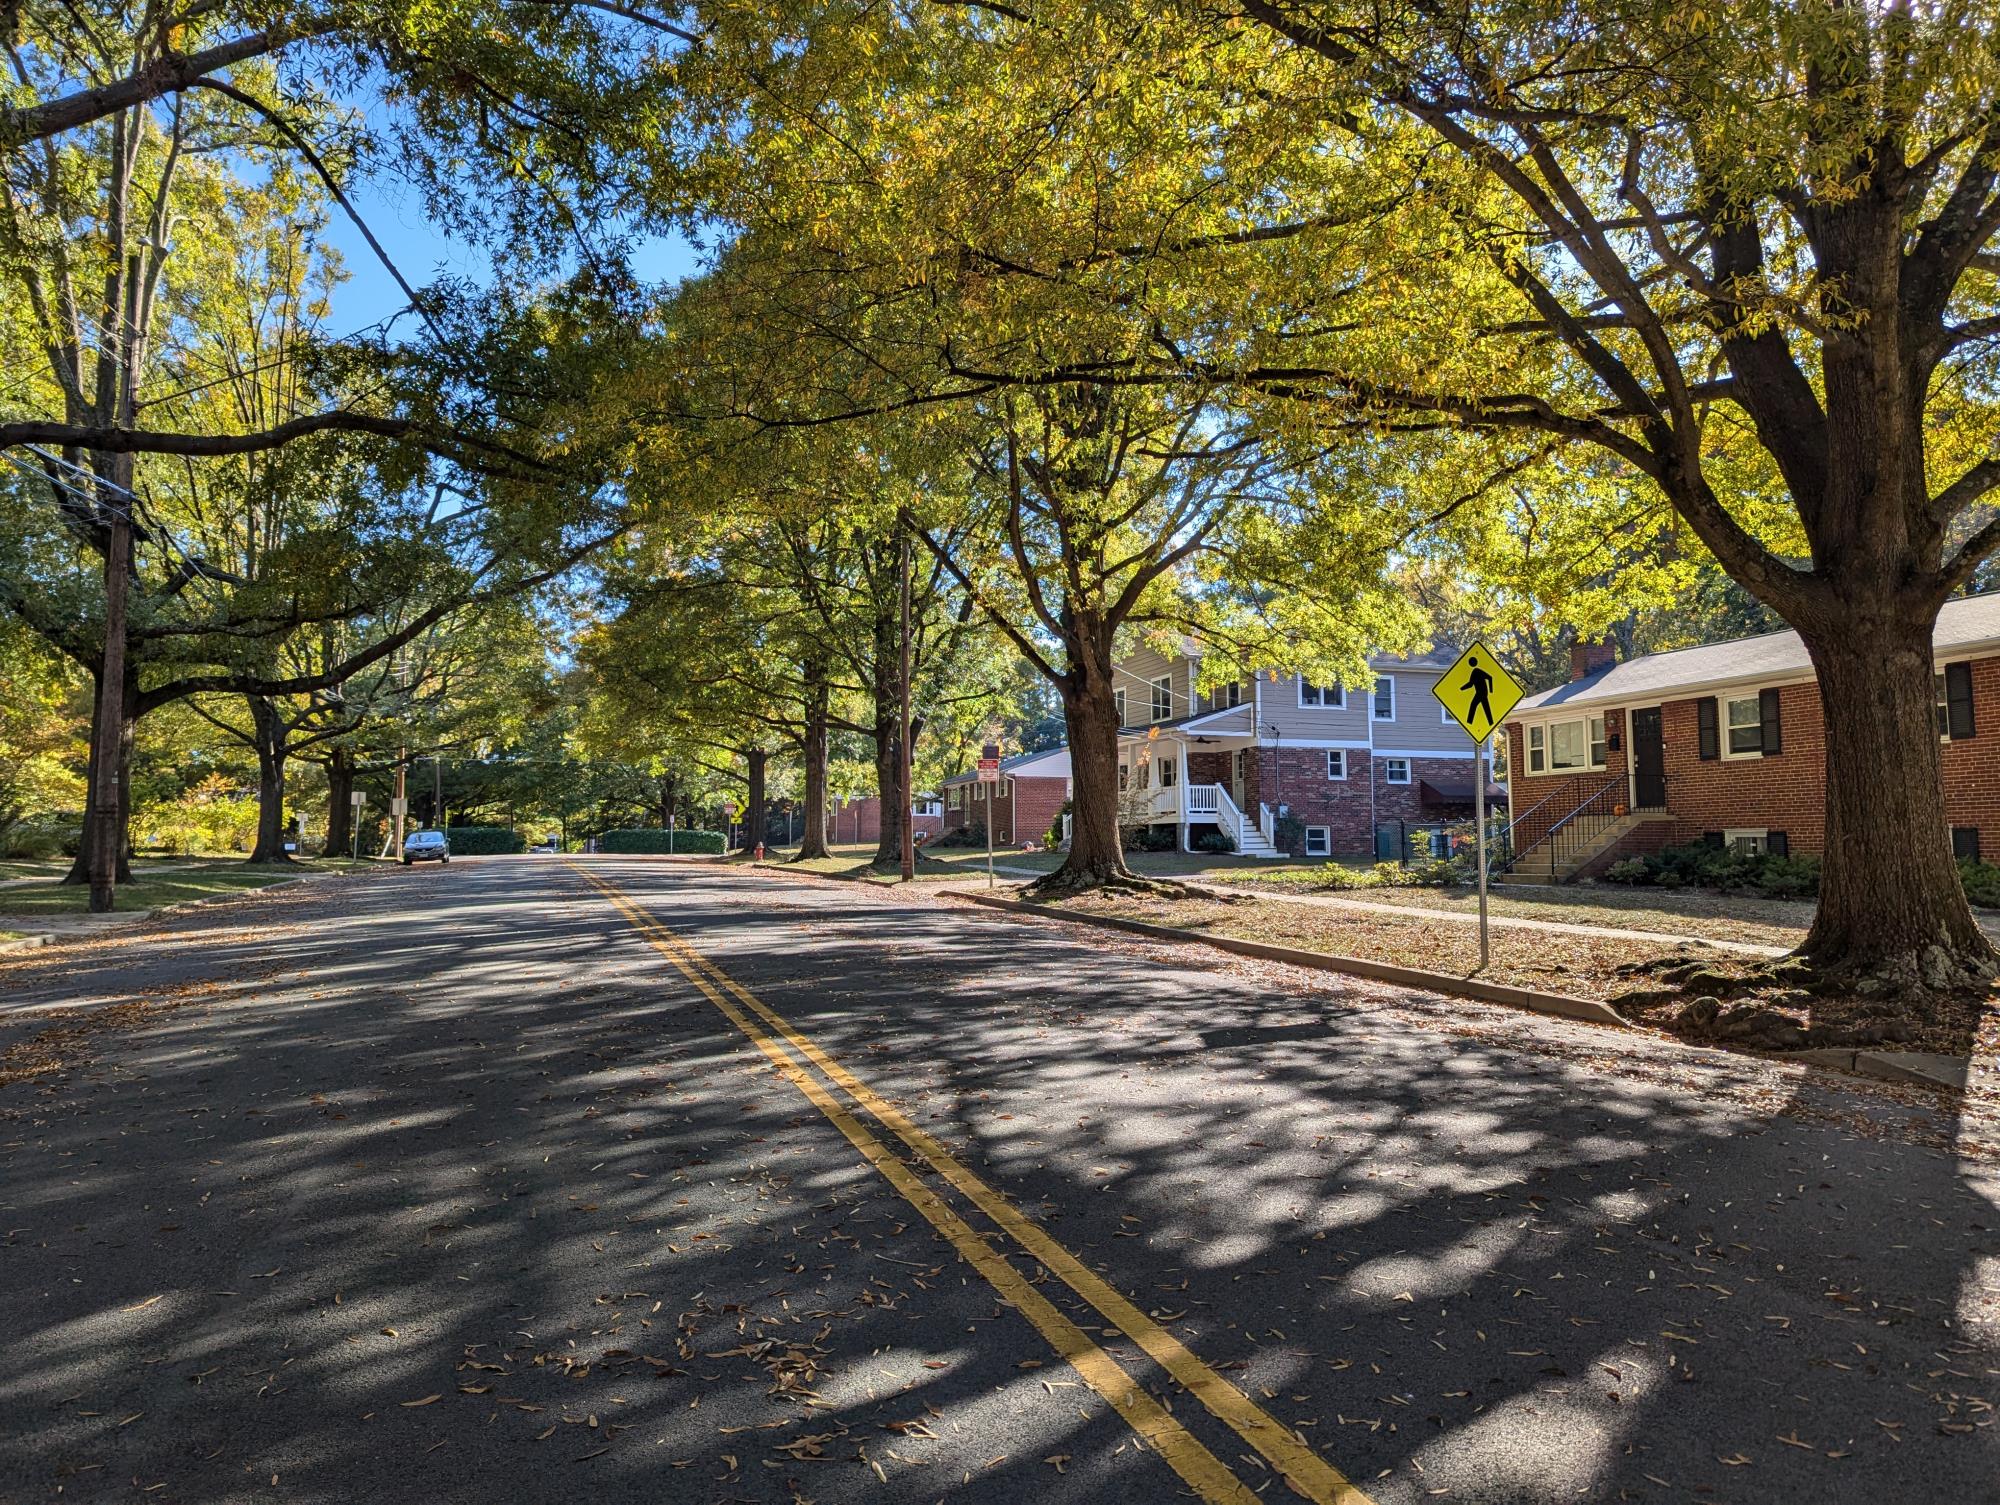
column 1477, row 691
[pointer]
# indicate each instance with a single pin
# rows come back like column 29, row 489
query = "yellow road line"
column 1176, row 1446
column 1303, row 1469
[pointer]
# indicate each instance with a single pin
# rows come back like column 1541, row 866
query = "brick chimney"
column 1585, row 659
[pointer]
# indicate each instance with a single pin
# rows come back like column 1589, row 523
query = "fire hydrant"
column 760, row 851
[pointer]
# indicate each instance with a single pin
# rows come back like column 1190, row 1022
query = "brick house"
column 1726, row 743
column 1362, row 770
column 858, row 819
column 1022, row 806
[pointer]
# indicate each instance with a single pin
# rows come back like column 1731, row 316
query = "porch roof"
column 1225, row 721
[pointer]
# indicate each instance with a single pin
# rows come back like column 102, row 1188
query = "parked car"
column 426, row 846
column 543, row 847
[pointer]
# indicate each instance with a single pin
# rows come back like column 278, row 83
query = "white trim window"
column 1224, row 697
column 1445, row 716
column 1163, row 698
column 1118, row 704
column 1336, row 762
column 1747, row 843
column 1395, row 770
column 1569, row 746
column 979, row 794
column 1743, row 726
column 1169, row 770
column 1319, row 841
column 1383, row 707
column 1321, row 697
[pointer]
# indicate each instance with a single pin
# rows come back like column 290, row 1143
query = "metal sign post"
column 989, row 773
column 1477, row 692
column 1479, row 808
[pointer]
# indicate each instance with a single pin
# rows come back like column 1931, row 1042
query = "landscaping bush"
column 1288, row 835
column 1699, row 865
column 1219, row 842
column 1052, row 839
column 485, row 841
column 961, row 836
column 1149, row 838
column 1337, row 875
column 40, row 838
column 651, row 839
column 1982, row 883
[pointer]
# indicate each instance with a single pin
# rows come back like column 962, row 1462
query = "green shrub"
column 1628, row 870
column 1699, row 865
column 1052, row 839
column 651, row 839
column 39, row 838
column 1219, row 842
column 1338, row 875
column 484, row 841
column 1288, row 835
column 1149, row 838
column 1982, row 883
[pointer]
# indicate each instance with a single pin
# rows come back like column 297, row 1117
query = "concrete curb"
column 1586, row 1009
column 29, row 942
column 1909, row 1067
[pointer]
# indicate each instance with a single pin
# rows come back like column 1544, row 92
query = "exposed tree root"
column 1065, row 883
column 1796, row 1002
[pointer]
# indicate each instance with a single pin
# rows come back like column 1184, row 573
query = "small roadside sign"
column 357, row 798
column 989, row 764
column 1477, row 691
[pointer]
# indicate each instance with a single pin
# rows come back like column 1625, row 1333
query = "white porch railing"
column 1267, row 823
column 1204, row 799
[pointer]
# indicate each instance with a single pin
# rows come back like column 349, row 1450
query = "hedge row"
column 652, row 839
column 484, row 841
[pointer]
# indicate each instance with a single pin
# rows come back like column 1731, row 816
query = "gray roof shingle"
column 1971, row 622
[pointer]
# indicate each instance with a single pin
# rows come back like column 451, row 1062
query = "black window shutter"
column 1965, row 843
column 1958, row 700
column 1777, row 843
column 1712, row 839
column 1767, row 713
column 1705, row 726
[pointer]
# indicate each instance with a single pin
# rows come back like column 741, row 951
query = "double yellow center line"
column 1303, row 1469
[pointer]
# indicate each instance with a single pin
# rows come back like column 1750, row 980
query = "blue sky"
column 423, row 252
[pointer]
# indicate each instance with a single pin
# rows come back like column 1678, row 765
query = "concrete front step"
column 1539, row 866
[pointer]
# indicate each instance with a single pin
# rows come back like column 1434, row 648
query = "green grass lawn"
column 18, row 868
column 203, row 878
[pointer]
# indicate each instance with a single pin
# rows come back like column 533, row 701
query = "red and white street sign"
column 989, row 764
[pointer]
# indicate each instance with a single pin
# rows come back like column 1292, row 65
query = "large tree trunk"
column 893, row 798
column 1892, row 916
column 79, row 872
column 812, row 843
column 1096, row 853
column 754, row 814
column 269, row 733
column 339, row 803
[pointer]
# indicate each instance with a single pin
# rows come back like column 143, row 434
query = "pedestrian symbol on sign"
column 1477, row 692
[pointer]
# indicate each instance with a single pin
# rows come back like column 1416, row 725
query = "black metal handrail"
column 1499, row 853
column 1568, row 834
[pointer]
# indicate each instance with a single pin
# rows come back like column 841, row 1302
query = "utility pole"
column 402, row 802
column 104, row 828
column 437, row 791
column 909, row 865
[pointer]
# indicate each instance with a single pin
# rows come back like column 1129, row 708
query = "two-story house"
column 1361, row 770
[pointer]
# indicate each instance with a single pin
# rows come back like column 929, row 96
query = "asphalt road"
column 529, row 1180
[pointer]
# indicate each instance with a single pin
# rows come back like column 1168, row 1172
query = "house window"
column 1445, row 715
column 1336, row 762
column 1124, row 777
column 1222, row 697
column 1965, row 843
column 1319, row 841
column 1145, row 773
column 1163, row 698
column 1395, row 770
column 1169, row 771
column 1118, row 705
column 1954, row 702
column 979, row 792
column 1747, row 843
column 1385, row 698
column 1744, row 718
column 1322, row 697
column 1569, row 746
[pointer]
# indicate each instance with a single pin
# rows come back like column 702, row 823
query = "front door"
column 1236, row 777
column 1649, row 761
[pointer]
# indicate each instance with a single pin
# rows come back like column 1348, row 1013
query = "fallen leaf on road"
column 424, row 1402
column 1056, row 1461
